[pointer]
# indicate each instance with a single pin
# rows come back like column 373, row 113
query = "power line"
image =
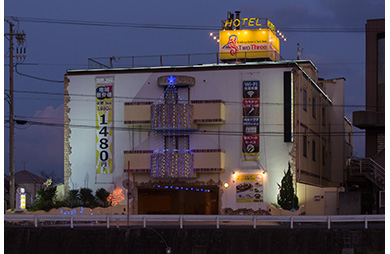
column 199, row 132
column 38, row 78
column 180, row 27
column 184, row 100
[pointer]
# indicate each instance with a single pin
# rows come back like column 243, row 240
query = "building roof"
column 214, row 66
column 204, row 67
column 25, row 176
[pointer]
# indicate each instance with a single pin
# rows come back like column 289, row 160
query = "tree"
column 286, row 197
column 52, row 175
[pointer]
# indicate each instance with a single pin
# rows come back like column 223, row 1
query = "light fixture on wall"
column 226, row 185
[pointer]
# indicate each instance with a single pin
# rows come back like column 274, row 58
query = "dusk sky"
column 62, row 35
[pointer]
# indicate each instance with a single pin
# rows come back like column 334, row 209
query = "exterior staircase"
column 367, row 168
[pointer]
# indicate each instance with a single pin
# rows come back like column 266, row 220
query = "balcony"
column 203, row 161
column 172, row 164
column 137, row 113
column 199, row 112
column 209, row 111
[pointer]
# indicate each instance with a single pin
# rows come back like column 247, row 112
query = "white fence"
column 182, row 220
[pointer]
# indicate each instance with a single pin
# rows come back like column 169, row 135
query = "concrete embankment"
column 191, row 240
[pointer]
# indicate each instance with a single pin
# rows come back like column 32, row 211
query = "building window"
column 304, row 102
column 314, row 108
column 323, row 116
column 313, row 150
column 323, row 155
column 304, row 146
column 177, row 142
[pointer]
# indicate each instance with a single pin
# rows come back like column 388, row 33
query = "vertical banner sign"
column 104, row 125
column 250, row 120
column 249, row 188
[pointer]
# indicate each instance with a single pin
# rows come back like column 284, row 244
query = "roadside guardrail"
column 39, row 220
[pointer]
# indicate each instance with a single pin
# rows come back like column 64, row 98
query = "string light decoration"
column 171, row 122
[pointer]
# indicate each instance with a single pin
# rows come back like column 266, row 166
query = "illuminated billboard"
column 248, row 44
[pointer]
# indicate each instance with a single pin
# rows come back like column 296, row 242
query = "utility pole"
column 20, row 37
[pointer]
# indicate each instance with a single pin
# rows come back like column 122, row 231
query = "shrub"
column 73, row 198
column 45, row 199
column 102, row 195
column 87, row 198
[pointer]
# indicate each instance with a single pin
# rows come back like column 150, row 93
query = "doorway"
column 178, row 200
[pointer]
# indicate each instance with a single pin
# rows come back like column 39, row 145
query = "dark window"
column 323, row 155
column 304, row 146
column 304, row 102
column 313, row 151
column 314, row 108
column 323, row 116
column 177, row 142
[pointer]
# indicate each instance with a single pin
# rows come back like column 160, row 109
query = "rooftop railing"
column 167, row 60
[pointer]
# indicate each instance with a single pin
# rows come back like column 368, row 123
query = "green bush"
column 73, row 199
column 45, row 199
column 87, row 198
column 102, row 195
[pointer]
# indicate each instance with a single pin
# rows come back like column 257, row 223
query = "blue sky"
column 335, row 44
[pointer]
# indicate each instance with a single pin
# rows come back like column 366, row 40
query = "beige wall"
column 209, row 112
column 314, row 199
column 209, row 160
column 138, row 161
column 314, row 167
column 137, row 114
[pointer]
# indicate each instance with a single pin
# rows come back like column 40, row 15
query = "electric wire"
column 199, row 132
column 152, row 99
column 38, row 78
column 182, row 27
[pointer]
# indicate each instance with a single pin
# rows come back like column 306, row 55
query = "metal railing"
column 175, row 59
column 369, row 168
column 181, row 220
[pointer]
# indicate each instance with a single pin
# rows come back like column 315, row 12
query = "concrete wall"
column 196, row 241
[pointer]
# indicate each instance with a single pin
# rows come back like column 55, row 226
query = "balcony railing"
column 172, row 163
column 369, row 168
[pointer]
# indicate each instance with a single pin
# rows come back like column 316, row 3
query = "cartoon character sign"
column 116, row 197
column 232, row 44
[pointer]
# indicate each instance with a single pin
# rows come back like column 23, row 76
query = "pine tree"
column 286, row 197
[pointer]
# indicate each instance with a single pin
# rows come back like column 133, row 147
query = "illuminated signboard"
column 250, row 120
column 23, row 201
column 248, row 44
column 104, row 125
column 249, row 188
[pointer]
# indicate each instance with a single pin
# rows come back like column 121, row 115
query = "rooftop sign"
column 249, row 23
